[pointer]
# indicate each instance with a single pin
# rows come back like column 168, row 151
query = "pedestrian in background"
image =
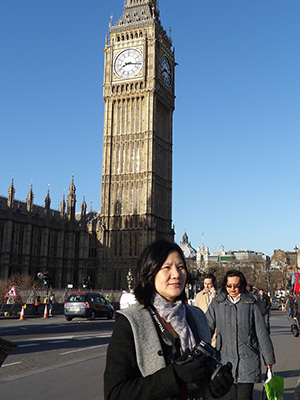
column 241, row 334
column 151, row 335
column 36, row 304
column 205, row 297
column 264, row 304
column 289, row 305
column 51, row 304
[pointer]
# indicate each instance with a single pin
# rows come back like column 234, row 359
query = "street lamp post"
column 129, row 279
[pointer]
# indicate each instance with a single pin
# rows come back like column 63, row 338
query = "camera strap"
column 166, row 335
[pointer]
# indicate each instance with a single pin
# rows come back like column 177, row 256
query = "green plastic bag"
column 274, row 386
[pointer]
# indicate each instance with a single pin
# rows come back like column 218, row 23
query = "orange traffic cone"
column 22, row 315
column 46, row 311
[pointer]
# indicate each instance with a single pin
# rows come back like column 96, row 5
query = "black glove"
column 189, row 370
column 222, row 382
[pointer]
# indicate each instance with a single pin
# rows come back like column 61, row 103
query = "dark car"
column 87, row 305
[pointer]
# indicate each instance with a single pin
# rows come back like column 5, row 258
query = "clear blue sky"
column 236, row 122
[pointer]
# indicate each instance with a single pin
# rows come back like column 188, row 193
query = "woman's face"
column 233, row 286
column 170, row 280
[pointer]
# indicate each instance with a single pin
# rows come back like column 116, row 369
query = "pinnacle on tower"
column 71, row 201
column 29, row 199
column 63, row 206
column 11, row 194
column 83, row 208
column 47, row 201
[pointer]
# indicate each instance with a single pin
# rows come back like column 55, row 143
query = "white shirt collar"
column 234, row 300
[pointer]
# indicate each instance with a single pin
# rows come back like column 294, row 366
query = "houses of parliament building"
column 136, row 192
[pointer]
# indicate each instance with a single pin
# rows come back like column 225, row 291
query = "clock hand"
column 131, row 63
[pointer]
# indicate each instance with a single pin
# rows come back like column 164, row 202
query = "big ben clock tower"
column 138, row 91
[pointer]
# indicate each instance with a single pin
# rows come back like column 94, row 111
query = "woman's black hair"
column 149, row 263
column 231, row 273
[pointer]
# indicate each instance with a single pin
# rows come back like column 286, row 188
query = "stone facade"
column 138, row 91
column 37, row 239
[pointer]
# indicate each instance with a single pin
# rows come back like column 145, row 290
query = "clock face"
column 165, row 69
column 128, row 63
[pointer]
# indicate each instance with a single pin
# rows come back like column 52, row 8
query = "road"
column 56, row 359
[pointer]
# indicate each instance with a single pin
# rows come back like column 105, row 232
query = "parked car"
column 87, row 305
column 276, row 303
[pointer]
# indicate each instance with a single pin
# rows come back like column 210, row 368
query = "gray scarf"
column 175, row 314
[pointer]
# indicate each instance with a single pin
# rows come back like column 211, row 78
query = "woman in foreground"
column 147, row 357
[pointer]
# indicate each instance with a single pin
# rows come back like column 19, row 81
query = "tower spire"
column 63, row 206
column 83, row 208
column 71, row 201
column 47, row 201
column 11, row 194
column 29, row 199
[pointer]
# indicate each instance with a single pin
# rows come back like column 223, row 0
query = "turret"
column 47, row 201
column 29, row 199
column 63, row 206
column 71, row 201
column 11, row 194
column 83, row 209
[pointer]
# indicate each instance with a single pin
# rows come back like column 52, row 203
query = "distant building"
column 37, row 239
column 288, row 260
column 189, row 252
column 233, row 257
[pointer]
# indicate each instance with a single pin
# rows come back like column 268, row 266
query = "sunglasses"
column 233, row 286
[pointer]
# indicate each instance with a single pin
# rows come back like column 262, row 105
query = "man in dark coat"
column 264, row 303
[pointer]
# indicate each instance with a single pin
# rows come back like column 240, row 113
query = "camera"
column 207, row 353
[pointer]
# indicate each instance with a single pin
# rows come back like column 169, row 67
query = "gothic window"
column 132, row 160
column 133, row 116
column 115, row 243
column 92, row 246
column 37, row 242
column 130, row 245
column 135, row 244
column 122, row 201
column 137, row 108
column 20, row 239
column 137, row 159
column 117, row 202
column 123, row 161
column 138, row 208
column 77, row 241
column 118, row 161
column 120, row 248
column 125, row 113
column 131, row 199
column 119, row 118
